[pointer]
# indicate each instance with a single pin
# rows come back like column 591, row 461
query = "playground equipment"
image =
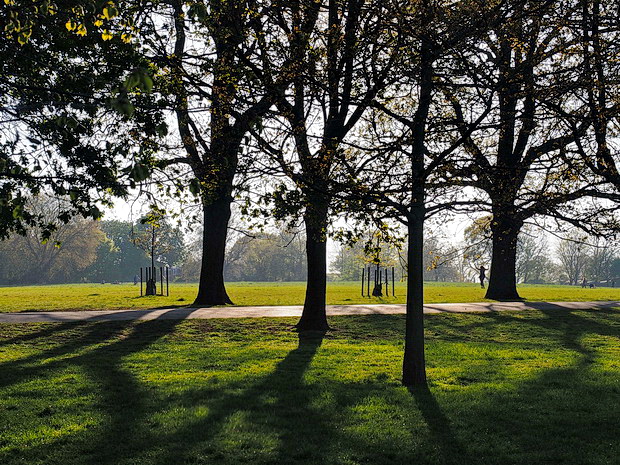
column 148, row 275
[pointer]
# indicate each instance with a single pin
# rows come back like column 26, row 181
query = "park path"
column 288, row 311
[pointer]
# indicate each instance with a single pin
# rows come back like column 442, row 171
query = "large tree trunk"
column 503, row 279
column 314, row 317
column 414, row 364
column 211, row 290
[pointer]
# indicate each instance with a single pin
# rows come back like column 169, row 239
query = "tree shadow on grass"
column 72, row 338
column 47, row 330
column 126, row 428
column 122, row 398
column 449, row 448
column 550, row 415
column 98, row 349
column 270, row 421
column 564, row 414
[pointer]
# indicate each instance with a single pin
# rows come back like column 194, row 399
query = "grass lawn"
column 534, row 387
column 127, row 296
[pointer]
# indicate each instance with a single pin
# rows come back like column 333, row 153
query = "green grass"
column 123, row 296
column 530, row 387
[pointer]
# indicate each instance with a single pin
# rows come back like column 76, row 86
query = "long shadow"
column 554, row 413
column 297, row 429
column 86, row 335
column 119, row 395
column 279, row 403
column 563, row 414
column 122, row 398
column 48, row 330
column 567, row 324
column 450, row 449
column 282, row 407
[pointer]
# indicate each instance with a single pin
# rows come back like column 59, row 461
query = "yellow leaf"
column 81, row 30
column 106, row 35
column 110, row 12
column 98, row 23
column 70, row 25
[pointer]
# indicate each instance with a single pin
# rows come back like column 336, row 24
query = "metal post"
column 140, row 281
column 368, row 287
column 393, row 295
column 161, row 280
column 167, row 283
column 363, row 280
column 387, row 291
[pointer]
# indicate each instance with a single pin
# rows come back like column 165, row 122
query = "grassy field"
column 126, row 296
column 509, row 388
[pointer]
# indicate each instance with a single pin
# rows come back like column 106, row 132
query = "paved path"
column 290, row 311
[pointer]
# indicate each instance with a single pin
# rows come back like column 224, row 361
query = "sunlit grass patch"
column 516, row 388
column 127, row 296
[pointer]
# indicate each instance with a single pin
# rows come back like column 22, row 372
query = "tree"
column 615, row 272
column 438, row 260
column 162, row 243
column 205, row 55
column 349, row 262
column 340, row 65
column 532, row 258
column 571, row 253
column 531, row 261
column 477, row 246
column 69, row 251
column 269, row 257
column 368, row 250
column 118, row 258
column 519, row 155
column 56, row 93
column 405, row 149
column 602, row 255
column 596, row 27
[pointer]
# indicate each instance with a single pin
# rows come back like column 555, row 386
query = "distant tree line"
column 84, row 250
column 262, row 258
column 575, row 257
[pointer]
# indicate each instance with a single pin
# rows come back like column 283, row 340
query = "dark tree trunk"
column 503, row 279
column 211, row 290
column 414, row 364
column 314, row 316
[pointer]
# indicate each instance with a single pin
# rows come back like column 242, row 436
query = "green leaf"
column 147, row 82
column 194, row 187
column 139, row 172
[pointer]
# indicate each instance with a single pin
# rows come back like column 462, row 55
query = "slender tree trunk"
column 414, row 364
column 153, row 246
column 314, row 316
column 211, row 290
column 503, row 279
